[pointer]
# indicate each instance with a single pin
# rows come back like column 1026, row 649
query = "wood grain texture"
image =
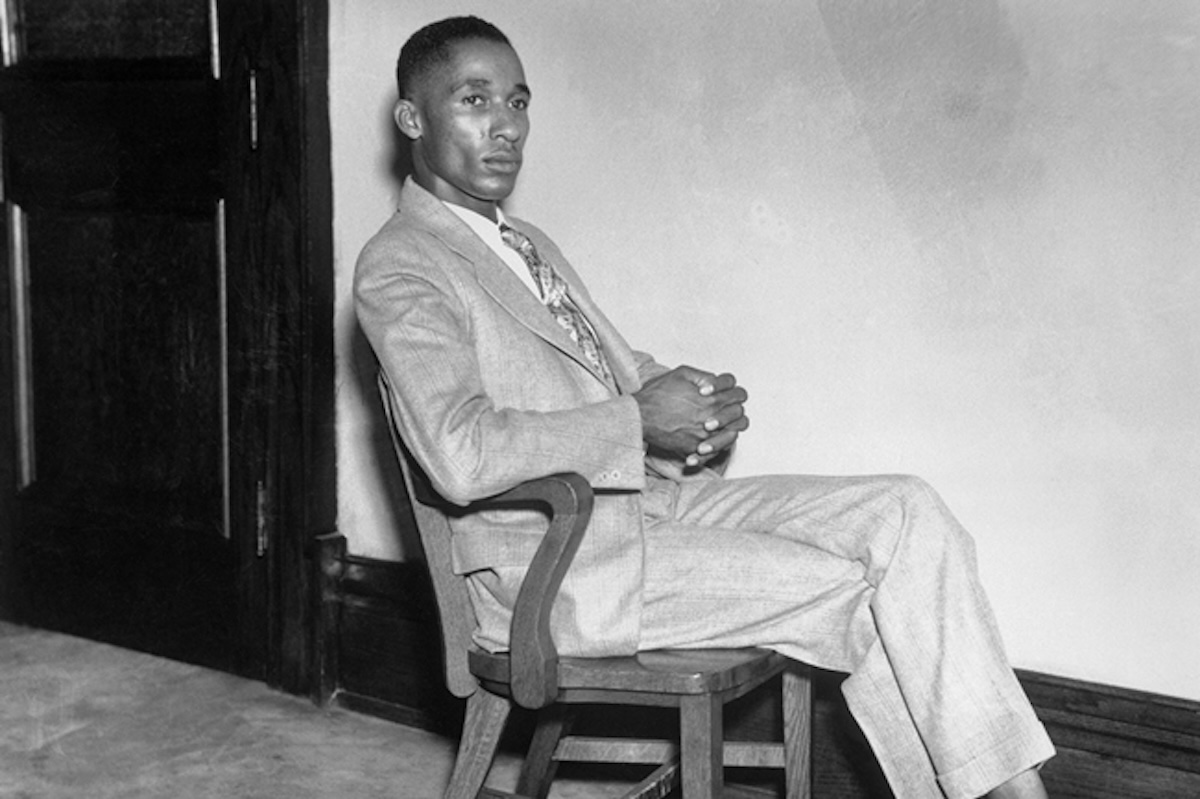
column 486, row 714
column 700, row 753
column 68, row 29
column 797, row 732
column 545, row 752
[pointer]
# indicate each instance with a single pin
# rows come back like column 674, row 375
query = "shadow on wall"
column 366, row 369
column 938, row 84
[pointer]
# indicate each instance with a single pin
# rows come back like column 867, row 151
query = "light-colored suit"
column 492, row 392
column 868, row 575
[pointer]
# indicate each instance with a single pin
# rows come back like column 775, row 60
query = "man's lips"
column 503, row 162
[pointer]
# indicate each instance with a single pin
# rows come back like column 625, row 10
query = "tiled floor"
column 82, row 720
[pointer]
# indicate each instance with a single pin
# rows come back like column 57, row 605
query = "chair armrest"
column 533, row 659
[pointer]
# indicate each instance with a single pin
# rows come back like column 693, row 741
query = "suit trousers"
column 867, row 575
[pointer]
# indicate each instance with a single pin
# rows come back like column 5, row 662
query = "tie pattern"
column 554, row 296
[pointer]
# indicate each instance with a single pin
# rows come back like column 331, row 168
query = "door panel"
column 126, row 331
column 115, row 154
column 116, row 141
column 166, row 299
column 128, row 29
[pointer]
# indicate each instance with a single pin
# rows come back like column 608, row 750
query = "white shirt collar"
column 489, row 231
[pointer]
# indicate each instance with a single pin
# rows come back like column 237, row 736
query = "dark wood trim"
column 1118, row 722
column 1117, row 743
column 281, row 233
column 311, row 508
column 379, row 655
column 8, row 432
column 329, row 553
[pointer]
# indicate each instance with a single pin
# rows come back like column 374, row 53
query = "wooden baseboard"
column 378, row 653
column 1116, row 743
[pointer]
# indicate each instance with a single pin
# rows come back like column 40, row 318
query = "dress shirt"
column 489, row 231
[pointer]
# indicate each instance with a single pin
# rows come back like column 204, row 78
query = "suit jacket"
column 491, row 392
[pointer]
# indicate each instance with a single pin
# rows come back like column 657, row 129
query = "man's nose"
column 507, row 125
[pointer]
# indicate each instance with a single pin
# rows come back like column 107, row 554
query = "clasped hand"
column 691, row 414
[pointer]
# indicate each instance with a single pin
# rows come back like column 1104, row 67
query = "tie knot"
column 510, row 235
column 517, row 241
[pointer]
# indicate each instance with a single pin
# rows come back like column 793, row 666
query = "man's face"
column 468, row 120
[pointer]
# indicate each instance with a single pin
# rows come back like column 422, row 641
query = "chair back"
column 455, row 615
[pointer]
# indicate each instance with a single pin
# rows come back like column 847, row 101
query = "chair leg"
column 538, row 771
column 486, row 714
column 701, row 746
column 797, row 731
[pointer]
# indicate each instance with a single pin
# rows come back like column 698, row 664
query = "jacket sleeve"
column 648, row 367
column 421, row 328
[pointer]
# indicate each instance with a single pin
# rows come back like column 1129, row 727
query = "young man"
column 505, row 370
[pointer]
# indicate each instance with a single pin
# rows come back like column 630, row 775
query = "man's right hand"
column 692, row 414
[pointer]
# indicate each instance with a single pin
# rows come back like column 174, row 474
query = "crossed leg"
column 868, row 575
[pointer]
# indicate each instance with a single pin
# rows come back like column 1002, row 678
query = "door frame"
column 307, row 496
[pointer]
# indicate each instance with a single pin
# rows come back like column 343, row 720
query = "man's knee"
column 927, row 519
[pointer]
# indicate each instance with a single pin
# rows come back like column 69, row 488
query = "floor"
column 80, row 719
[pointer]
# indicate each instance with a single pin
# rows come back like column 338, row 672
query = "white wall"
column 953, row 238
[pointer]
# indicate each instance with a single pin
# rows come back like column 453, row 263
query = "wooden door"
column 146, row 220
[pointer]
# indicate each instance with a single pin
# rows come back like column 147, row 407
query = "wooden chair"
column 697, row 682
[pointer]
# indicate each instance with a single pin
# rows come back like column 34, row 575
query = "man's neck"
column 496, row 216
column 448, row 194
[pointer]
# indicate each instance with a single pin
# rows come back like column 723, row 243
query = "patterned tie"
column 554, row 296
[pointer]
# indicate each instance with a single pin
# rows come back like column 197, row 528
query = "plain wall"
column 957, row 239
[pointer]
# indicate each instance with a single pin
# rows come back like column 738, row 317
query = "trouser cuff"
column 989, row 769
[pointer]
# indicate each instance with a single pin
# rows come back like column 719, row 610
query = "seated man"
column 505, row 370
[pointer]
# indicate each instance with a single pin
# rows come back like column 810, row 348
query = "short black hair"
column 431, row 47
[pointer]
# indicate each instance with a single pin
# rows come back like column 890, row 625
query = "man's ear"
column 408, row 118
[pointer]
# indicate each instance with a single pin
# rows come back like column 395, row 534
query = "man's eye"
column 520, row 103
column 473, row 99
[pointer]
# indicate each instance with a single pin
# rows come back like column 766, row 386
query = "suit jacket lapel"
column 620, row 359
column 495, row 276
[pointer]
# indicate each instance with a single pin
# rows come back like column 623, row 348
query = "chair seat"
column 696, row 683
column 677, row 672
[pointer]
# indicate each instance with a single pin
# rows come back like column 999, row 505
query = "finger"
column 735, row 394
column 706, row 383
column 720, row 384
column 722, row 409
column 692, row 374
column 718, row 442
column 738, row 425
column 724, row 381
column 724, row 417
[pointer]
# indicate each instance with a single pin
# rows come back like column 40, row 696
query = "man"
column 504, row 370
